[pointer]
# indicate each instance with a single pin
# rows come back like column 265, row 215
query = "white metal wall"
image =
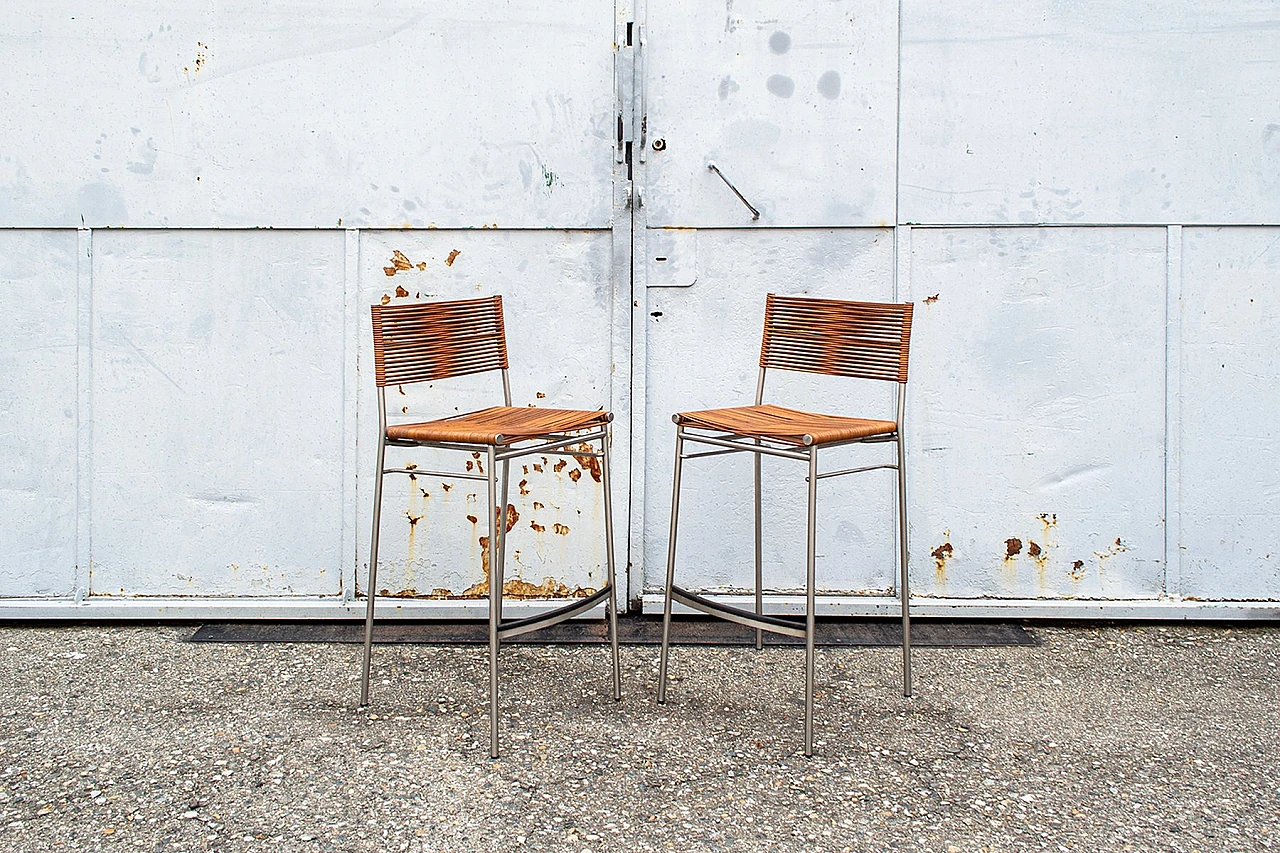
column 197, row 205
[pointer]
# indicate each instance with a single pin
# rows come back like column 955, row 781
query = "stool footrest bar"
column 773, row 624
column 516, row 627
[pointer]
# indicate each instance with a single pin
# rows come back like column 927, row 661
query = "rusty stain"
column 413, row 519
column 538, row 505
column 515, row 588
column 1013, row 547
column 1117, row 548
column 589, row 463
column 1077, row 570
column 940, row 556
column 446, row 486
column 562, row 529
column 1048, row 520
column 541, row 396
column 473, row 519
column 512, row 517
column 526, row 470
column 386, row 299
column 401, row 292
column 470, row 464
column 400, row 263
column 537, row 467
column 453, row 256
column 929, row 300
column 559, row 466
column 521, row 485
column 537, row 528
column 575, row 475
column 1040, row 555
column 404, row 410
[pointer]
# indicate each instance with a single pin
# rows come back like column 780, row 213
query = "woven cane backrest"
column 865, row 340
column 426, row 341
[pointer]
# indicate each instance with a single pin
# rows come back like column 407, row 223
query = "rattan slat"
column 424, row 342
column 510, row 423
column 867, row 340
column 786, row 425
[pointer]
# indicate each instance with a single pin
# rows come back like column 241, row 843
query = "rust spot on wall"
column 537, row 528
column 470, row 464
column 526, row 470
column 538, row 505
column 413, row 519
column 559, row 466
column 589, row 463
column 512, row 517
column 1013, row 547
column 446, row 486
column 521, row 485
column 929, row 300
column 940, row 556
column 1040, row 555
column 453, row 256
column 400, row 263
column 1077, row 570
column 537, row 467
column 401, row 292
column 1049, row 520
column 541, row 396
column 575, row 475
column 473, row 519
column 562, row 529
column 549, row 588
column 386, row 299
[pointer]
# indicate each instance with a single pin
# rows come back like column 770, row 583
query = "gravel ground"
column 1101, row 738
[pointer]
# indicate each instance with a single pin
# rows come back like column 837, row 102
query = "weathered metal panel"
column 1230, row 448
column 217, row 394
column 558, row 306
column 703, row 351
column 38, row 412
column 1036, row 412
column 796, row 104
column 1100, row 112
column 316, row 115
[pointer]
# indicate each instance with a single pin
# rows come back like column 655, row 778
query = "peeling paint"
column 1013, row 547
column 940, row 556
column 562, row 529
column 559, row 466
column 453, row 256
column 929, row 300
column 575, row 475
column 588, row 463
column 522, row 486
column 401, row 263
column 537, row 528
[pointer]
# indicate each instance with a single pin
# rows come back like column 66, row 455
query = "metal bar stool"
column 429, row 341
column 856, row 339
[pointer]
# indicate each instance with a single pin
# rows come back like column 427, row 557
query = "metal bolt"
column 659, row 144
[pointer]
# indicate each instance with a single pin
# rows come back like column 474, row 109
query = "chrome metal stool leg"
column 495, row 603
column 671, row 569
column 759, row 555
column 611, row 606
column 372, row 590
column 904, row 581
column 809, row 601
